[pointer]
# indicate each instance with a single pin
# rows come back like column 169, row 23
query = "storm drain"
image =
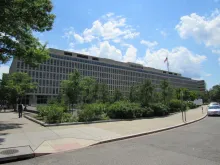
column 15, row 153
column 9, row 152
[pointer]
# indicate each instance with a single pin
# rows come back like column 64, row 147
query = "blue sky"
column 142, row 31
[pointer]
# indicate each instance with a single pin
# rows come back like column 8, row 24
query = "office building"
column 115, row 74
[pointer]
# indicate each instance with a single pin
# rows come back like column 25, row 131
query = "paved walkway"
column 16, row 131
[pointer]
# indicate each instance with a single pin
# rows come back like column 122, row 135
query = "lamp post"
column 182, row 108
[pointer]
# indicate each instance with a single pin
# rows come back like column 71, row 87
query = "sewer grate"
column 9, row 152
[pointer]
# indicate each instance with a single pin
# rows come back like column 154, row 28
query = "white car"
column 214, row 110
column 213, row 103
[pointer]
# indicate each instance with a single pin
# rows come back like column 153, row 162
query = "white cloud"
column 4, row 69
column 109, row 14
column 181, row 60
column 202, row 29
column 149, row 44
column 104, row 50
column 109, row 27
column 78, row 38
column 216, row 51
column 131, row 54
column 208, row 75
column 163, row 33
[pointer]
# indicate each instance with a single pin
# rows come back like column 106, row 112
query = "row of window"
column 84, row 64
column 111, row 75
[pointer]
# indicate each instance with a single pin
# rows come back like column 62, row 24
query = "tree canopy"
column 19, row 18
column 19, row 84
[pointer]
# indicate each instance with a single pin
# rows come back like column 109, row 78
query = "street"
column 196, row 143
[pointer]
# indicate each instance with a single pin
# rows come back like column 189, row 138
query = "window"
column 18, row 64
column 67, row 53
column 41, row 99
column 95, row 58
column 82, row 56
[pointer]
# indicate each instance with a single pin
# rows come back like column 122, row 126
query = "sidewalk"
column 16, row 132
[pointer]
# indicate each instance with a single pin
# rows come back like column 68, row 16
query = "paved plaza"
column 15, row 132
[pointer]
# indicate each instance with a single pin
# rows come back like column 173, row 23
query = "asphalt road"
column 195, row 144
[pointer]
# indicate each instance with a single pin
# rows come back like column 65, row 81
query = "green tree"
column 164, row 90
column 193, row 95
column 215, row 93
column 117, row 95
column 146, row 92
column 103, row 93
column 178, row 93
column 134, row 93
column 186, row 94
column 88, row 88
column 19, row 18
column 71, row 87
column 19, row 84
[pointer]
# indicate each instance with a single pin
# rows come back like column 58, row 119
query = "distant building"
column 115, row 74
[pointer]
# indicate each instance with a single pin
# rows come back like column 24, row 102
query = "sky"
column 141, row 31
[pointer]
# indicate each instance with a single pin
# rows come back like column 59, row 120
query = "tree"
column 186, row 94
column 4, row 92
column 18, row 19
column 71, row 87
column 146, row 92
column 178, row 93
column 215, row 93
column 18, row 84
column 103, row 93
column 164, row 90
column 88, row 87
column 193, row 95
column 134, row 93
column 117, row 95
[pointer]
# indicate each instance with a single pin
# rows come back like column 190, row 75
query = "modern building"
column 115, row 74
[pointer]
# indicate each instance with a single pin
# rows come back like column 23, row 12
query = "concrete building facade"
column 115, row 74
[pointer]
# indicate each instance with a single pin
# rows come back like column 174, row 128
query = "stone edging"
column 73, row 123
column 147, row 133
column 92, row 122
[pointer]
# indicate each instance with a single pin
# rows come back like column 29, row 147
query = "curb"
column 34, row 120
column 147, row 133
column 91, row 122
column 17, row 156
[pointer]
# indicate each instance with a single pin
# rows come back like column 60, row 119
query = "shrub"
column 175, row 105
column 42, row 109
column 91, row 112
column 160, row 109
column 191, row 105
column 68, row 117
column 124, row 110
column 148, row 112
column 54, row 114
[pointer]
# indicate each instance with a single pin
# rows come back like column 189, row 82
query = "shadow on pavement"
column 5, row 126
column 1, row 138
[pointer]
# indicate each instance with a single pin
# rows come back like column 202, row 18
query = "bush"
column 124, row 110
column 175, row 105
column 42, row 109
column 191, row 105
column 54, row 114
column 68, row 117
column 160, row 109
column 91, row 112
column 148, row 112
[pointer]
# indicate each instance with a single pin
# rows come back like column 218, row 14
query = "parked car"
column 214, row 110
column 213, row 103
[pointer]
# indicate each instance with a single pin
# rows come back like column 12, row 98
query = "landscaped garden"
column 83, row 99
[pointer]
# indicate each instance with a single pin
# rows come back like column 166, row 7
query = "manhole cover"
column 9, row 152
